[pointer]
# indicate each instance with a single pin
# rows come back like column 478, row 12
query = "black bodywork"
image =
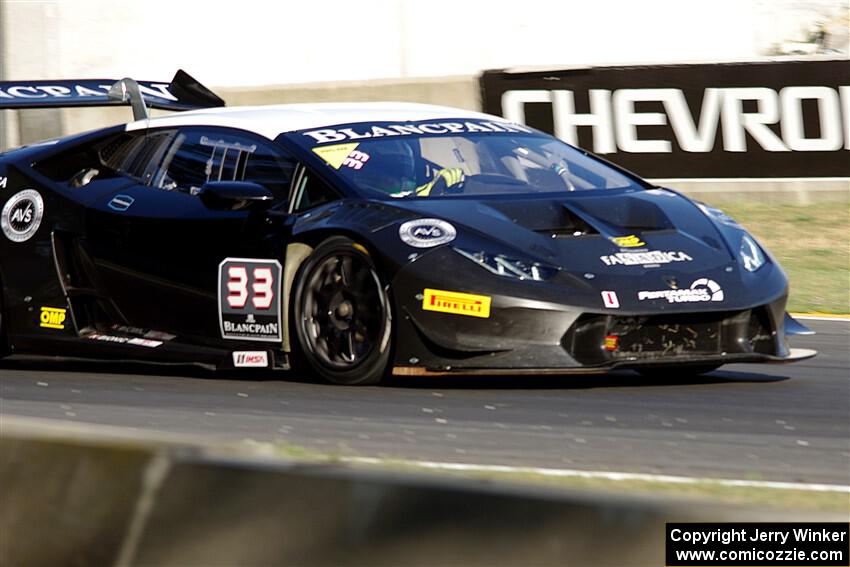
column 140, row 281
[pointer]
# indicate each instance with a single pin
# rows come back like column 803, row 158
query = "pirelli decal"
column 456, row 303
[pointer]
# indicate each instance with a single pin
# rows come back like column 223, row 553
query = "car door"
column 158, row 246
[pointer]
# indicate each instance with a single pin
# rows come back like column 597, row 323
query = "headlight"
column 751, row 255
column 717, row 215
column 509, row 267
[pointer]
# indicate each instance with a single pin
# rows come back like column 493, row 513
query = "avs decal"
column 426, row 233
column 651, row 258
column 368, row 131
column 249, row 299
column 630, row 241
column 251, row 359
column 21, row 215
column 456, row 303
column 609, row 298
column 52, row 318
column 701, row 290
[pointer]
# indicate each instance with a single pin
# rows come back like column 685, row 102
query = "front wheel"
column 342, row 314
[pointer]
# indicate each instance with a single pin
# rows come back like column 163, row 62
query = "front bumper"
column 550, row 327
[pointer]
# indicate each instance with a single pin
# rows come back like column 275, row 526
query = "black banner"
column 820, row 544
column 751, row 120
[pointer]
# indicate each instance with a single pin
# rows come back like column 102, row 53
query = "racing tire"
column 342, row 314
column 678, row 371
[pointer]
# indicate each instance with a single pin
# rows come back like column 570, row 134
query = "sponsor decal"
column 123, row 340
column 361, row 132
column 121, row 203
column 456, row 303
column 52, row 318
column 21, row 215
column 342, row 155
column 249, row 299
column 79, row 90
column 3, row 181
column 609, row 298
column 146, row 333
column 653, row 257
column 611, row 343
column 251, row 359
column 702, row 289
column 426, row 233
column 630, row 241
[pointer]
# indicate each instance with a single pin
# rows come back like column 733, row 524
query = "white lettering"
column 829, row 115
column 56, row 90
column 85, row 91
column 690, row 137
column 159, row 90
column 735, row 121
column 628, row 120
column 377, row 132
column 19, row 92
column 599, row 119
column 352, row 135
column 432, row 128
column 325, row 136
column 3, row 182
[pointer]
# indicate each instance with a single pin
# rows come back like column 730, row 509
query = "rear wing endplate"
column 182, row 93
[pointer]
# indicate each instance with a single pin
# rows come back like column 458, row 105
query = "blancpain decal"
column 21, row 215
column 267, row 329
column 426, row 233
column 364, row 131
column 702, row 289
column 653, row 257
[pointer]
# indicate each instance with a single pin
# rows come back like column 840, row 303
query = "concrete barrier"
column 91, row 497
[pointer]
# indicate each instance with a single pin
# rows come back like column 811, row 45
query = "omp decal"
column 456, row 303
column 336, row 156
column 630, row 241
column 251, row 359
column 121, row 203
column 426, row 233
column 328, row 135
column 21, row 215
column 52, row 318
column 653, row 257
column 609, row 298
column 249, row 299
column 702, row 289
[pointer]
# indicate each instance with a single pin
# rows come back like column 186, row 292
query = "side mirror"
column 235, row 195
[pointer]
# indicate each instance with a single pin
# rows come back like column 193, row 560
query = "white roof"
column 273, row 120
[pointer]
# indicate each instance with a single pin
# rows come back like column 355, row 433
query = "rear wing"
column 182, row 93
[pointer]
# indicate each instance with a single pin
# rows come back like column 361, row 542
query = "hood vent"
column 570, row 226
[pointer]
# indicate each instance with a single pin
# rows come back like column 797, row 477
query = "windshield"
column 457, row 158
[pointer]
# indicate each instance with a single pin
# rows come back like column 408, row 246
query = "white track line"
column 604, row 475
column 821, row 317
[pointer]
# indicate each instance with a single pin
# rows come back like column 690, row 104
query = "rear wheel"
column 671, row 372
column 342, row 314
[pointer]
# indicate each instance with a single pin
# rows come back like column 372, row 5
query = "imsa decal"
column 249, row 299
column 456, row 303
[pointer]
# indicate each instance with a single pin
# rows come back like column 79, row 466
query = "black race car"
column 363, row 240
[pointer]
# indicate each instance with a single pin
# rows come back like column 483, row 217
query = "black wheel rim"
column 343, row 310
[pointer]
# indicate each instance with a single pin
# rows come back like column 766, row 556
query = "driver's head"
column 391, row 167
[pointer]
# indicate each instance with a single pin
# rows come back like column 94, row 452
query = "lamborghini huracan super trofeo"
column 361, row 241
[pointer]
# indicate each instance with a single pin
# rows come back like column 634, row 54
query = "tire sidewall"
column 375, row 366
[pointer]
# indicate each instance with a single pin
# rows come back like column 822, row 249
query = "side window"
column 310, row 191
column 201, row 155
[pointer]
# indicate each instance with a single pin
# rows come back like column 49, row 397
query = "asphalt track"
column 766, row 422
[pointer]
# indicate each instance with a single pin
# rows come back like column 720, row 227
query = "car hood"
column 614, row 231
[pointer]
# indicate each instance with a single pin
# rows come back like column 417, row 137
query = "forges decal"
column 702, row 289
column 21, row 215
column 456, row 303
column 249, row 299
column 426, row 233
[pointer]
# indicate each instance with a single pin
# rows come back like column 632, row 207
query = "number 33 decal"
column 249, row 299
column 237, row 287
